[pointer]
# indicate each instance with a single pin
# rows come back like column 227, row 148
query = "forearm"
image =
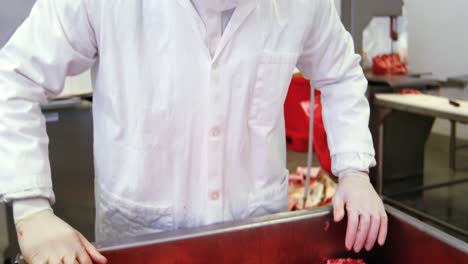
column 329, row 60
column 33, row 66
column 24, row 162
column 346, row 119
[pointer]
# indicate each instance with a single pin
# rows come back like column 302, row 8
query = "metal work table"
column 400, row 81
column 421, row 104
column 403, row 164
column 425, row 105
column 308, row 236
column 300, row 237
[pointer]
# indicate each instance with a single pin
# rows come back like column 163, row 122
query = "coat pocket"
column 271, row 200
column 118, row 217
column 274, row 74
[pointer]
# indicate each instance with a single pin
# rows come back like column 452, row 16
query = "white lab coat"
column 181, row 138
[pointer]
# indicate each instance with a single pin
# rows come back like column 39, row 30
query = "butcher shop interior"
column 375, row 146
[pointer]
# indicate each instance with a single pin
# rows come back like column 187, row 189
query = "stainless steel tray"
column 300, row 237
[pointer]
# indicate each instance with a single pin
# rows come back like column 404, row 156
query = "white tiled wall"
column 438, row 36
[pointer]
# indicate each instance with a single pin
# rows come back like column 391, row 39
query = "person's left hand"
column 367, row 219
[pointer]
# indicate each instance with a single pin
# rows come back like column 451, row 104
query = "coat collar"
column 242, row 12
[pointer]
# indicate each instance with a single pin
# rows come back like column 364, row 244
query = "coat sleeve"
column 329, row 60
column 56, row 40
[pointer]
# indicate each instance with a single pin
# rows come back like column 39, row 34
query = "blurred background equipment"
column 357, row 15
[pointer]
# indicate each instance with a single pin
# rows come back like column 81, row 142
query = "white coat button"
column 215, row 132
column 214, row 196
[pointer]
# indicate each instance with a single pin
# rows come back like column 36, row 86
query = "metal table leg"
column 453, row 145
column 381, row 114
column 379, row 153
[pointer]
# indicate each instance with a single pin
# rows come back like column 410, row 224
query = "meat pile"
column 321, row 189
column 389, row 64
column 345, row 261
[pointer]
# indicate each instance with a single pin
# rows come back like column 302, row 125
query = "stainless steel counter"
column 300, row 237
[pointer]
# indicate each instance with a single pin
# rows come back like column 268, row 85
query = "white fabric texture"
column 217, row 5
column 24, row 208
column 346, row 162
column 183, row 137
column 215, row 19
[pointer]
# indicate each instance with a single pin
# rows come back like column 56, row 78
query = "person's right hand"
column 46, row 239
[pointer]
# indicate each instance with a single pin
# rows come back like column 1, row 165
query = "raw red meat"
column 389, row 64
column 410, row 91
column 321, row 189
column 345, row 261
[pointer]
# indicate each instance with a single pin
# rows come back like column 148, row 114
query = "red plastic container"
column 297, row 120
column 296, row 111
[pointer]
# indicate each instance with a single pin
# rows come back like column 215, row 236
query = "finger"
column 338, row 209
column 70, row 259
column 54, row 260
column 39, row 259
column 83, row 257
column 373, row 232
column 92, row 251
column 362, row 232
column 351, row 229
column 383, row 229
column 58, row 256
